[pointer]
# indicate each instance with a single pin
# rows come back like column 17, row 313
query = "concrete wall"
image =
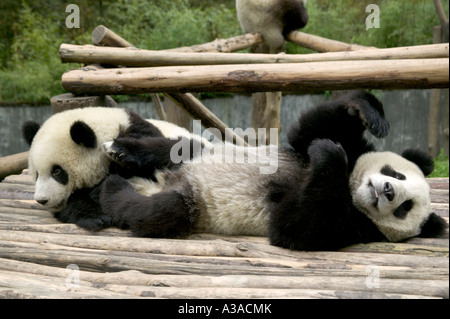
column 406, row 110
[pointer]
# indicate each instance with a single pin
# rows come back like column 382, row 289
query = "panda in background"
column 273, row 19
column 330, row 188
column 67, row 159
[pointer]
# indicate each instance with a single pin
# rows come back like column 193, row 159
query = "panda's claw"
column 113, row 152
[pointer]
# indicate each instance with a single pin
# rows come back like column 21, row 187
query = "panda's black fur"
column 310, row 209
column 293, row 14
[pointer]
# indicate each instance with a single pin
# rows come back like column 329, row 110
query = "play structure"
column 37, row 252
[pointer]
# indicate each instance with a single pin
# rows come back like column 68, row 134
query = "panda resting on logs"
column 67, row 159
column 329, row 189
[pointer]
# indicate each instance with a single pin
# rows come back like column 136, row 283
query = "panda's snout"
column 388, row 191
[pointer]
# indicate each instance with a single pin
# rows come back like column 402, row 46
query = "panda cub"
column 273, row 19
column 330, row 188
column 67, row 159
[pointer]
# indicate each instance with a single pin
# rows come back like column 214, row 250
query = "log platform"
column 42, row 258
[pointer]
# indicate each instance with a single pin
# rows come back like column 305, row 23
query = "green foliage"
column 441, row 166
column 402, row 23
column 169, row 24
column 32, row 30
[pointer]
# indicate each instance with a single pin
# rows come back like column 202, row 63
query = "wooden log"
column 20, row 285
column 198, row 111
column 68, row 101
column 434, row 117
column 233, row 44
column 445, row 119
column 104, row 36
column 321, row 44
column 380, row 74
column 387, row 254
column 145, row 58
column 266, row 106
column 116, row 281
column 157, row 264
column 13, row 164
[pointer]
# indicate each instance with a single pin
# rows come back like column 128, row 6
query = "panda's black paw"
column 95, row 224
column 377, row 126
column 123, row 151
column 370, row 110
column 324, row 154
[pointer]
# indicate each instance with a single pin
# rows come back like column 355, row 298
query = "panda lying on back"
column 330, row 188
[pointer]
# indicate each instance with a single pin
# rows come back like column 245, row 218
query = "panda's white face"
column 61, row 164
column 52, row 188
column 392, row 192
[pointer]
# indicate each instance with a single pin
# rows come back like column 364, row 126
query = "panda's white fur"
column 53, row 145
column 366, row 183
column 267, row 18
column 232, row 200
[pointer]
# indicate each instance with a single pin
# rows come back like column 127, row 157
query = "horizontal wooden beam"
column 320, row 44
column 13, row 164
column 146, row 58
column 232, row 44
column 375, row 74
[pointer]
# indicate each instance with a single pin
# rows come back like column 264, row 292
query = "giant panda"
column 67, row 159
column 273, row 19
column 327, row 190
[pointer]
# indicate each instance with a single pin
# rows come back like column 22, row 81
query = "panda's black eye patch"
column 59, row 174
column 389, row 171
column 403, row 209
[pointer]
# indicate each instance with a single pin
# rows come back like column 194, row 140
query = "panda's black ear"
column 421, row 159
column 433, row 227
column 82, row 134
column 29, row 130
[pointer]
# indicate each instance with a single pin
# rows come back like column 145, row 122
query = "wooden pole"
column 198, row 111
column 137, row 57
column 13, row 164
column 320, row 44
column 237, row 43
column 434, row 116
column 68, row 101
column 289, row 77
column 104, row 36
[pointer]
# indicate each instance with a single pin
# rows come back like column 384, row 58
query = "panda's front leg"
column 139, row 156
column 83, row 209
column 315, row 215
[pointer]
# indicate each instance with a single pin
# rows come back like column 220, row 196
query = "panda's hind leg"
column 166, row 214
column 315, row 215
